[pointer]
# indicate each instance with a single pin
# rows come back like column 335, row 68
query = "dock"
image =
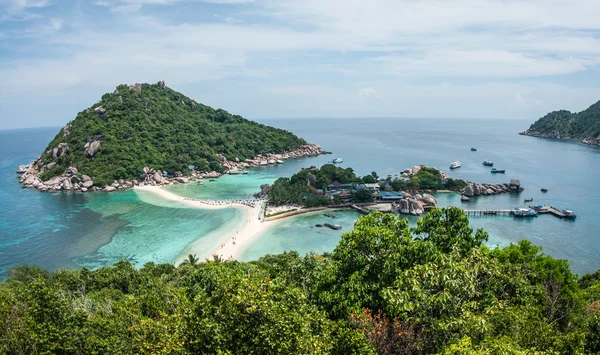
column 489, row 212
column 360, row 209
column 553, row 211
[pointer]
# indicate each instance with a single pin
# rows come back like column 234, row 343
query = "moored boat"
column 497, row 171
column 245, row 172
column 455, row 165
column 544, row 190
column 332, row 226
column 337, row 160
column 473, row 149
column 524, row 212
column 528, row 200
column 488, row 162
column 569, row 214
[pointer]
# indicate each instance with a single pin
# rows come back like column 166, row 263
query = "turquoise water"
column 73, row 229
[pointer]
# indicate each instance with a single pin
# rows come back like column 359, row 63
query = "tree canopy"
column 387, row 288
column 564, row 124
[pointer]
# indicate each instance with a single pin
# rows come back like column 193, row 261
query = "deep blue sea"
column 61, row 229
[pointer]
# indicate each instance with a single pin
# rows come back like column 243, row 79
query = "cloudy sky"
column 303, row 58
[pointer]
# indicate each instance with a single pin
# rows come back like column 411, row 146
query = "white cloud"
column 369, row 96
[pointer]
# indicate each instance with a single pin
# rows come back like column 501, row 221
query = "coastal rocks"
column 264, row 190
column 181, row 180
column 85, row 178
column 469, row 191
column 100, row 110
column 87, row 184
column 429, row 200
column 90, row 148
column 157, row 177
column 404, row 207
column 109, row 189
column 50, row 165
column 60, row 150
column 22, row 168
column 161, row 85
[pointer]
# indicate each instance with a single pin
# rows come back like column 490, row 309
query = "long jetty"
column 546, row 210
column 360, row 209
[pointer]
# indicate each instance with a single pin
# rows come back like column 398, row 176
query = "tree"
column 362, row 195
column 191, row 259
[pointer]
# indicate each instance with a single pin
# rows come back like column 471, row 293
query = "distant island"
column 151, row 134
column 583, row 126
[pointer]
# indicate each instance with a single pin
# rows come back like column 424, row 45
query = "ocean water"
column 74, row 229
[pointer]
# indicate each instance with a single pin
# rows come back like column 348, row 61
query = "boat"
column 333, row 226
column 211, row 180
column 329, row 215
column 473, row 149
column 569, row 214
column 528, row 200
column 200, row 182
column 488, row 163
column 544, row 190
column 524, row 212
column 318, row 225
column 245, row 172
column 464, row 198
column 337, row 160
column 497, row 171
column 455, row 165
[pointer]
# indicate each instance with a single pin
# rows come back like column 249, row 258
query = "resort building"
column 390, row 196
column 372, row 187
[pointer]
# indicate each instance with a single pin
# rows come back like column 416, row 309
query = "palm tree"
column 191, row 259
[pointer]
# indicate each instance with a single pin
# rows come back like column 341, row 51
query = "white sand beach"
column 230, row 245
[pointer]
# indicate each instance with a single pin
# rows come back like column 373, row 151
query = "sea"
column 71, row 230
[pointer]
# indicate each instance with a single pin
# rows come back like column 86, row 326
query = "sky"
column 303, row 58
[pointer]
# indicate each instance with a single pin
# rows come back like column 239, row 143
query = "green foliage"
column 363, row 195
column 387, row 288
column 428, row 179
column 564, row 124
column 161, row 129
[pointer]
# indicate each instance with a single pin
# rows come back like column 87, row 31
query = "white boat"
column 338, row 160
column 455, row 165
column 245, row 172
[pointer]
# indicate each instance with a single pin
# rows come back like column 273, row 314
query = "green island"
column 150, row 127
column 583, row 126
column 387, row 288
column 332, row 185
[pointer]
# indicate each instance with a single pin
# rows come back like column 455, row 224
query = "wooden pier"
column 488, row 212
column 553, row 211
column 360, row 209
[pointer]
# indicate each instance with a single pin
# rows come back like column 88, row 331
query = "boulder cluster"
column 414, row 204
column 473, row 189
column 71, row 180
column 234, row 167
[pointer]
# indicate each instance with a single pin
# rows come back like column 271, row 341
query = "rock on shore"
column 474, row 189
column 71, row 180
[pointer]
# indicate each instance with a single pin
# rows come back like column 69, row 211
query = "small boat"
column 318, row 225
column 464, row 198
column 211, row 180
column 569, row 214
column 200, row 182
column 528, row 200
column 455, row 165
column 245, row 172
column 329, row 215
column 524, row 212
column 337, row 160
column 497, row 171
column 473, row 149
column 333, row 226
column 544, row 190
column 488, row 163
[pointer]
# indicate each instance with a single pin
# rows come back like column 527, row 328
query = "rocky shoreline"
column 556, row 135
column 71, row 180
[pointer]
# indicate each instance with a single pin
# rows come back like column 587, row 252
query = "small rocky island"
column 583, row 126
column 149, row 134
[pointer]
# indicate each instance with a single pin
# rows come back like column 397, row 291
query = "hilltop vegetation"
column 584, row 125
column 385, row 289
column 155, row 126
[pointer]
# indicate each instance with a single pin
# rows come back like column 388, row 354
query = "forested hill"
column 584, row 126
column 155, row 126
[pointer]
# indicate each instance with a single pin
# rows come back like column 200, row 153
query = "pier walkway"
column 360, row 209
column 488, row 212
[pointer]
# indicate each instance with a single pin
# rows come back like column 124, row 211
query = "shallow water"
column 73, row 229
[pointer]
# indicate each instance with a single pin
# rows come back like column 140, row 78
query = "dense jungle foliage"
column 294, row 190
column 387, row 288
column 162, row 129
column 584, row 124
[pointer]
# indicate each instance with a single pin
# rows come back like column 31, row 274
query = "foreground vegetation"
column 565, row 124
column 385, row 289
column 162, row 129
column 302, row 187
